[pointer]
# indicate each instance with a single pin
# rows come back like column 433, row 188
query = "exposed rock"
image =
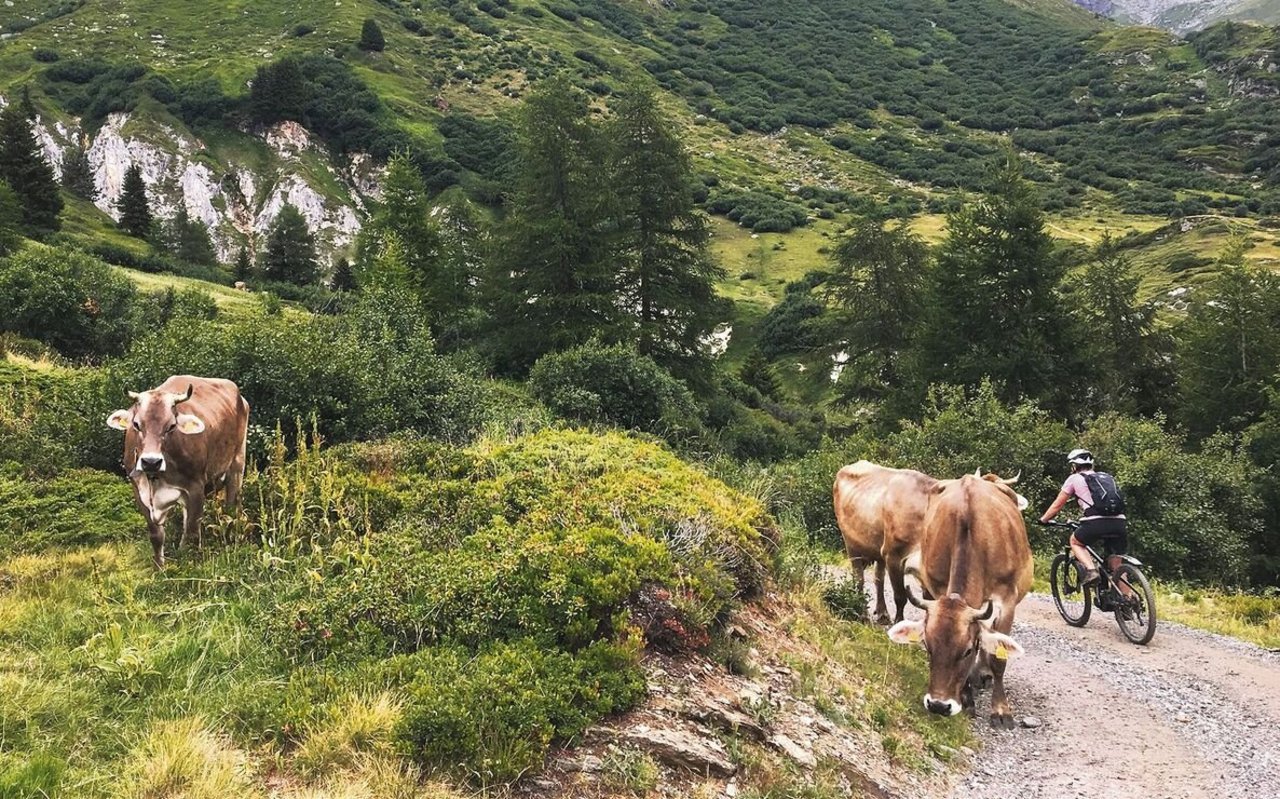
column 1030, row 722
column 681, row 748
column 793, row 750
column 727, row 719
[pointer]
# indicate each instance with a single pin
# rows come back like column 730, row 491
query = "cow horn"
column 133, row 395
column 177, row 398
column 977, row 472
column 920, row 602
column 986, row 614
column 1013, row 480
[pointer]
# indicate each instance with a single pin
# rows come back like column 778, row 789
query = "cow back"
column 880, row 511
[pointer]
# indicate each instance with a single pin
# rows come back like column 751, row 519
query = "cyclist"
column 1094, row 526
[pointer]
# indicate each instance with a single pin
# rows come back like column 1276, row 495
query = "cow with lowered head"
column 975, row 566
column 183, row 440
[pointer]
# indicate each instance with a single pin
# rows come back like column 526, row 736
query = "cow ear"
column 119, row 420
column 190, row 424
column 907, row 632
column 1023, row 504
column 1001, row 646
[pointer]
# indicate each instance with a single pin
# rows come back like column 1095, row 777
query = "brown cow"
column 211, row 420
column 880, row 512
column 975, row 558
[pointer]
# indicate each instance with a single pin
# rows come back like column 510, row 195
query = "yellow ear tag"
column 1001, row 652
column 913, row 635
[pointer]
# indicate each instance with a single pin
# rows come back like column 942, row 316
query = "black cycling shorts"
column 1113, row 531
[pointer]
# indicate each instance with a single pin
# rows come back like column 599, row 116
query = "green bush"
column 613, row 385
column 492, row 716
column 551, row 537
column 67, row 299
column 846, row 600
column 1192, row 514
column 367, row 373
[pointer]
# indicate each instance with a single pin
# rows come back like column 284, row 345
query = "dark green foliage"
column 613, row 385
column 798, row 323
column 1229, row 348
column 160, row 307
column 371, row 38
column 1128, row 357
column 45, row 55
column 553, row 284
column 344, row 277
column 23, row 168
column 242, row 272
column 878, row 286
column 1192, row 514
column 994, row 309
column 187, row 239
column 135, row 212
column 279, row 91
column 10, row 219
column 846, row 600
column 62, row 297
column 290, row 255
column 757, row 372
column 77, row 174
column 369, row 372
column 665, row 272
column 761, row 213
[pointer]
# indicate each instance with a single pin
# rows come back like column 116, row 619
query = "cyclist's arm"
column 1063, row 499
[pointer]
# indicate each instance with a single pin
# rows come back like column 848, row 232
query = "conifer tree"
column 135, row 211
column 187, row 239
column 371, row 38
column 552, row 282
column 995, row 306
column 278, row 92
column 77, row 174
column 290, row 255
column 344, row 277
column 10, row 220
column 244, row 266
column 23, row 167
column 667, row 277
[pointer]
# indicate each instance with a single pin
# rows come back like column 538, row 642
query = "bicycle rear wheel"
column 1136, row 614
column 1071, row 598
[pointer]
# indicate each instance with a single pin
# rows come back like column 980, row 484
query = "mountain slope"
column 1185, row 15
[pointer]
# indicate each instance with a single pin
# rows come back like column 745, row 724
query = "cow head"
column 153, row 417
column 1004, row 485
column 953, row 634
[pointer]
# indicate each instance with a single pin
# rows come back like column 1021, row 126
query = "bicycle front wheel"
column 1071, row 598
column 1136, row 610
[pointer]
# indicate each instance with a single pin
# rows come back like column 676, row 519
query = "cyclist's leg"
column 1086, row 535
column 1117, row 545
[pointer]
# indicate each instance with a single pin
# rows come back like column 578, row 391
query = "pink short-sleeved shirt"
column 1078, row 487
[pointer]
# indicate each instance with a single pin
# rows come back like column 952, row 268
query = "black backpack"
column 1107, row 499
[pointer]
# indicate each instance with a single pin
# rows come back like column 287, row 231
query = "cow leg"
column 882, row 612
column 898, row 580
column 192, row 512
column 156, row 531
column 1001, row 713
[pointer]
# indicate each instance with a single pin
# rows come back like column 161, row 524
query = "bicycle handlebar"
column 1069, row 525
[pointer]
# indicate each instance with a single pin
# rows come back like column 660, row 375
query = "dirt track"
column 1190, row 715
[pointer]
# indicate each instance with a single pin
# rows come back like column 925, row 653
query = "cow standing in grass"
column 184, row 439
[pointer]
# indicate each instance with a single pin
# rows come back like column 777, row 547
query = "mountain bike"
column 1135, row 608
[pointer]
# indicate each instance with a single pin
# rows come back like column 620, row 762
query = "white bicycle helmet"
column 1080, row 457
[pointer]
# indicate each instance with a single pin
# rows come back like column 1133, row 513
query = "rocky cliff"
column 236, row 188
column 1185, row 15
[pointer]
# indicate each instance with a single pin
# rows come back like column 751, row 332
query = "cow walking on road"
column 184, row 439
column 975, row 567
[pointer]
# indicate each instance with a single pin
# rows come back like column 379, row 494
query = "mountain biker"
column 1094, row 526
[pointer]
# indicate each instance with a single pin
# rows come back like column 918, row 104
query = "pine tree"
column 371, row 38
column 290, row 255
column 244, row 266
column 77, row 174
column 552, row 283
column 23, row 167
column 344, row 277
column 10, row 220
column 667, row 277
column 877, row 285
column 995, row 309
column 135, row 212
column 187, row 239
column 278, row 92
column 757, row 372
column 1128, row 364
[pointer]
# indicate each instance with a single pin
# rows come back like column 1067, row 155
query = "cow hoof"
column 1002, row 721
column 882, row 619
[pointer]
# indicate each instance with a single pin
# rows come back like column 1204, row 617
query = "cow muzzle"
column 151, row 463
column 941, row 707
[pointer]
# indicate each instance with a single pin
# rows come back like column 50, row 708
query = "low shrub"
column 78, row 507
column 845, row 600
column 613, row 385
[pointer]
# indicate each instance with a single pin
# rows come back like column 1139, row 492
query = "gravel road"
column 1190, row 715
